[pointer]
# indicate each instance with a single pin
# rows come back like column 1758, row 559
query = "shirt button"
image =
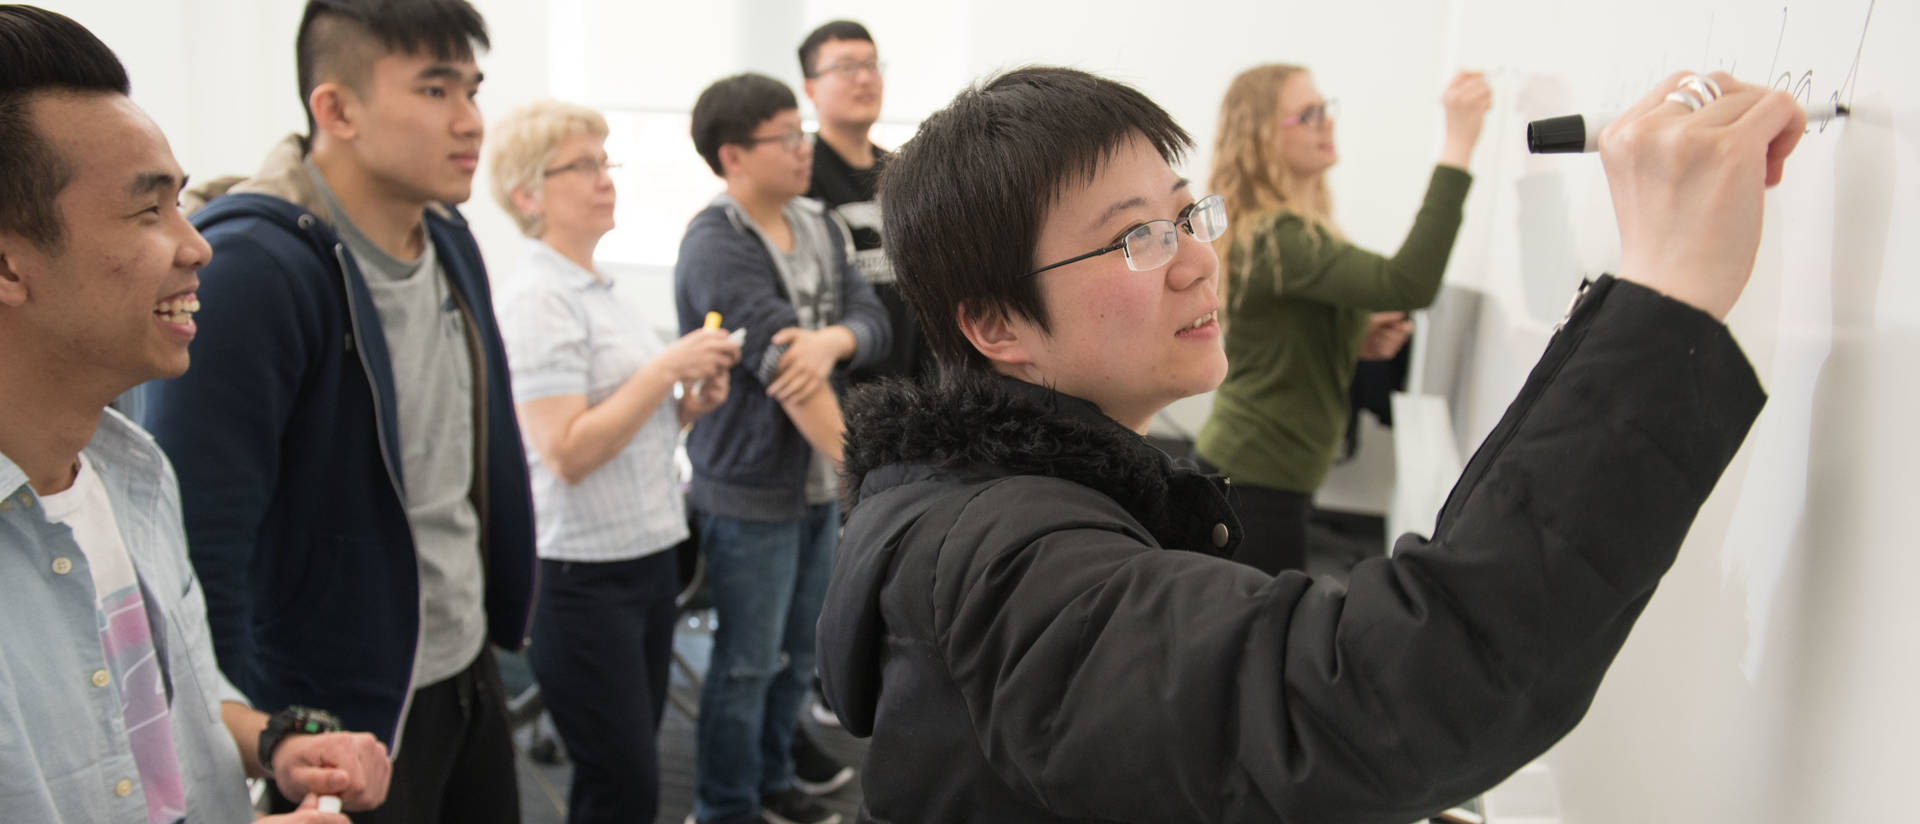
column 123, row 789
column 100, row 678
column 62, row 566
column 1220, row 536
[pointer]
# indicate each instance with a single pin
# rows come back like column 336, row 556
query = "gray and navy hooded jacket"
column 749, row 461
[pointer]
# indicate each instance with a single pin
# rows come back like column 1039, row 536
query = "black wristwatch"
column 294, row 720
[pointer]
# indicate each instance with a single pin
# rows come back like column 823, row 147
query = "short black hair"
column 732, row 108
column 964, row 199
column 41, row 51
column 337, row 39
column 832, row 30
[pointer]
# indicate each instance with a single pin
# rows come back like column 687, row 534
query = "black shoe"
column 791, row 806
column 814, row 771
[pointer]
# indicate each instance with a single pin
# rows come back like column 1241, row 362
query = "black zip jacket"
column 1006, row 622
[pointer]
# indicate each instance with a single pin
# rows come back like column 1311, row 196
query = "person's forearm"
column 848, row 345
column 604, row 429
column 1457, row 153
column 818, row 418
column 245, row 723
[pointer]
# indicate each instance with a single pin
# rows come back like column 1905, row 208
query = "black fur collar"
column 997, row 425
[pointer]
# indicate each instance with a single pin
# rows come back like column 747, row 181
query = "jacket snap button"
column 1220, row 535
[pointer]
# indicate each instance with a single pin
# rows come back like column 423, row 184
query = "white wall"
column 1772, row 678
column 218, row 76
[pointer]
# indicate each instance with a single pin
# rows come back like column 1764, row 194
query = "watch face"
column 295, row 720
column 311, row 721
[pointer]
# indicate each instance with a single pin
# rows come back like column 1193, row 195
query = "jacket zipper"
column 1493, row 449
column 387, row 461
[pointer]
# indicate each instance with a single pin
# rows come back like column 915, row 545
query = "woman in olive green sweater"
column 1302, row 305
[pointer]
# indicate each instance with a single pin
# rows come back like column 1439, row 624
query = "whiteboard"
column 1774, row 676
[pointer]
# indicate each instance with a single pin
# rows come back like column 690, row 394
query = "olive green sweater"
column 1296, row 318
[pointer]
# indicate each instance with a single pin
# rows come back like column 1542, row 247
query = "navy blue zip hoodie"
column 284, row 435
column 749, row 460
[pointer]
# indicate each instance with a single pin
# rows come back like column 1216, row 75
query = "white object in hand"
column 329, row 803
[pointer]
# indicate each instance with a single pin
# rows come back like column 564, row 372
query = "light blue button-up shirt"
column 568, row 332
column 64, row 755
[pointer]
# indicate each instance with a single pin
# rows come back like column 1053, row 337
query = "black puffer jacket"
column 1004, row 622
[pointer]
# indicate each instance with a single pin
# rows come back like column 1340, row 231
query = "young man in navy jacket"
column 765, row 463
column 353, row 482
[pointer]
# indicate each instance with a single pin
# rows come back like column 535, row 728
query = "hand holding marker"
column 1581, row 132
column 739, row 336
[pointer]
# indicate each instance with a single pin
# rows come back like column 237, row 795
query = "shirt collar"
column 570, row 274
column 117, row 444
column 12, row 477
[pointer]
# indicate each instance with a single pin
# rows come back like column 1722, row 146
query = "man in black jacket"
column 1005, row 617
column 846, row 83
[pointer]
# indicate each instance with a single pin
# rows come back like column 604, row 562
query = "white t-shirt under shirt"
column 126, row 638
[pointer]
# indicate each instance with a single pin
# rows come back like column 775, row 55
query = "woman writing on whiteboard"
column 1303, row 305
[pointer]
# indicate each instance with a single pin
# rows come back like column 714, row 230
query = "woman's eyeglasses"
column 1152, row 244
column 1314, row 115
column 590, row 166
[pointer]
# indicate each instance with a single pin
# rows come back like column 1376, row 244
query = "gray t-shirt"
column 433, row 383
column 813, row 301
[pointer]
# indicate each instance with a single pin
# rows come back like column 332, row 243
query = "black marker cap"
column 1557, row 135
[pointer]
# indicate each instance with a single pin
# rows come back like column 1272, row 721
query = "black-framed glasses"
column 1152, row 244
column 589, row 166
column 853, row 68
column 1314, row 115
column 790, row 141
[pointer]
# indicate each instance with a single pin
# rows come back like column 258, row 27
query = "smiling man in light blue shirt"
column 111, row 706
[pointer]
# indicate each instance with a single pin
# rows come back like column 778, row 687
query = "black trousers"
column 602, row 645
column 456, row 756
column 1273, row 524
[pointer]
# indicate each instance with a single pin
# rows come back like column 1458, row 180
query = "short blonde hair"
column 524, row 142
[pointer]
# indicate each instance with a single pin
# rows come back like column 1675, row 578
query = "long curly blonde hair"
column 1249, row 174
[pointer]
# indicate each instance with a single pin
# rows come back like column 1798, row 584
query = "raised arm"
column 1090, row 661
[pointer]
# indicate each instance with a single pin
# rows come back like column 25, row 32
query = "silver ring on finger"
column 1703, row 86
column 1685, row 97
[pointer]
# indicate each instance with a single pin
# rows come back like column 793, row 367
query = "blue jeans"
column 768, row 581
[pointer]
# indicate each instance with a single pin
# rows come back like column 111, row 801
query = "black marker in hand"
column 1581, row 132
